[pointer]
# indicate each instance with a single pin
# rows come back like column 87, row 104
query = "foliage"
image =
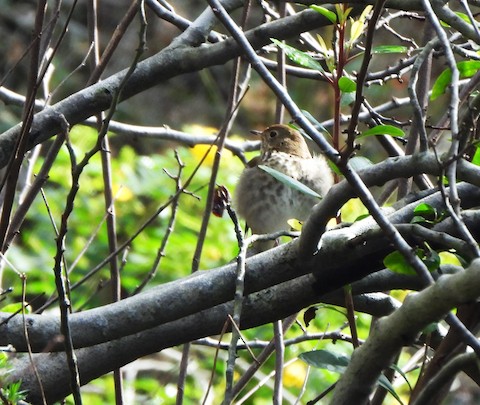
column 342, row 77
column 11, row 393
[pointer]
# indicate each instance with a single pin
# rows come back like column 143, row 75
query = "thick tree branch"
column 390, row 334
column 361, row 245
column 259, row 308
column 175, row 60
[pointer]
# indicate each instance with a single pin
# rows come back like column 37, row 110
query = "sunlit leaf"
column 352, row 210
column 15, row 307
column 295, row 224
column 449, row 258
column 299, row 57
column 440, row 85
column 396, row 262
column 341, row 13
column 426, row 211
column 357, row 26
column 356, row 29
column 382, row 130
column 325, row 12
column 365, row 13
column 476, row 157
column 323, row 46
column 289, row 181
column 295, row 374
column 462, row 16
column 389, row 49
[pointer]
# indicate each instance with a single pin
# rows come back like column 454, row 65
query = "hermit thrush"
column 267, row 204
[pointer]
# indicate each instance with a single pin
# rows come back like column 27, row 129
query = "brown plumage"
column 267, row 204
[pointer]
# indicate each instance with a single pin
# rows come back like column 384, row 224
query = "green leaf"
column 450, row 258
column 299, row 57
column 360, row 162
column 431, row 327
column 402, row 373
column 289, row 181
column 360, row 217
column 385, row 383
column 13, row 307
column 337, row 363
column 443, row 80
column 334, row 168
column 356, row 29
column 327, row 360
column 476, row 156
column 389, row 49
column 325, row 12
column 462, row 16
column 357, row 26
column 426, row 211
column 342, row 14
column 347, row 99
column 324, row 49
column 396, row 262
column 466, row 69
column 346, row 84
column 431, row 260
column 417, row 219
column 382, row 130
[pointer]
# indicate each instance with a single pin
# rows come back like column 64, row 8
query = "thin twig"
column 16, row 159
column 453, row 202
column 261, row 359
column 237, row 305
column 168, row 231
column 27, row 339
column 262, row 344
column 115, row 281
column 214, row 366
column 350, row 175
column 277, row 326
column 279, row 362
column 118, row 34
column 61, row 281
column 34, row 189
column 361, row 78
column 235, row 96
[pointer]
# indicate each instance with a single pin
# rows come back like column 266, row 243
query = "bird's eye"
column 273, row 134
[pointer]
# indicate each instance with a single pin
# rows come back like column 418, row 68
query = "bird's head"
column 282, row 138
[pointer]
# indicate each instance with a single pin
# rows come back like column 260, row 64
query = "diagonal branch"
column 172, row 61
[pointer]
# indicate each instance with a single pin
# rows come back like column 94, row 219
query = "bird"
column 267, row 204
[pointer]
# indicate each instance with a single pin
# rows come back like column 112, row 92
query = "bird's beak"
column 255, row 132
